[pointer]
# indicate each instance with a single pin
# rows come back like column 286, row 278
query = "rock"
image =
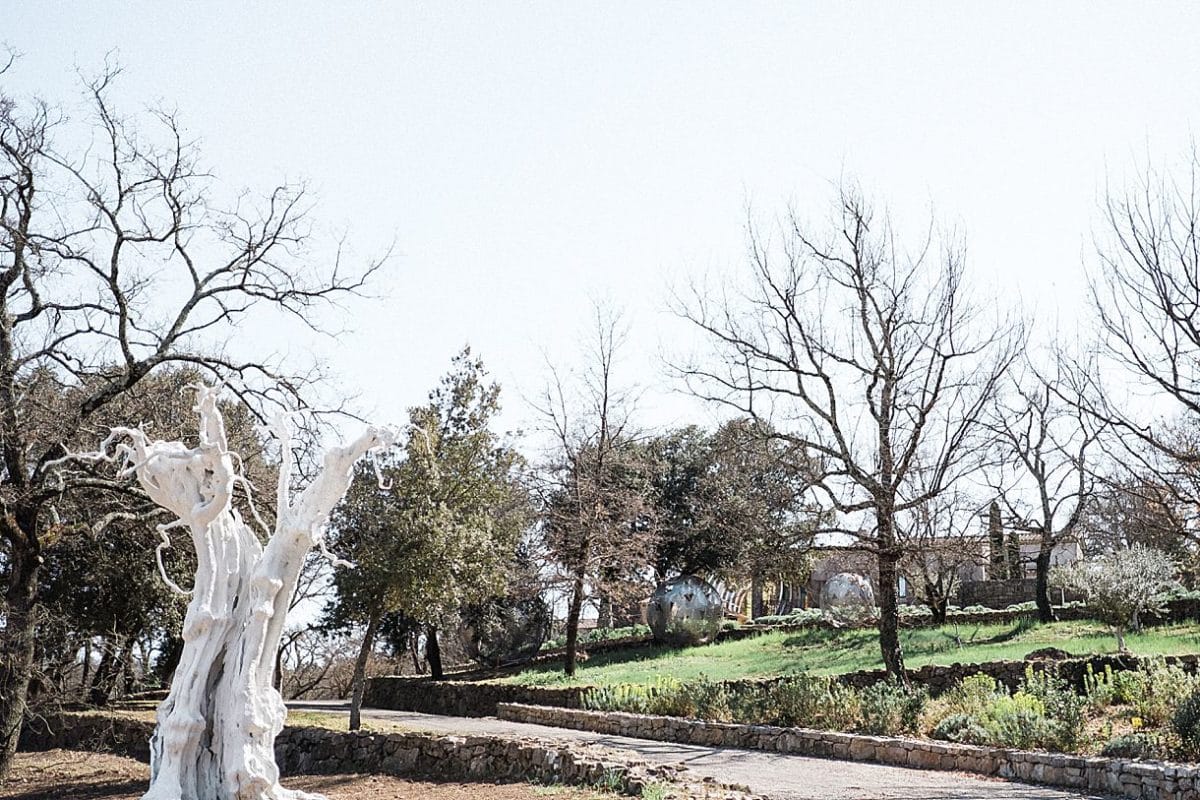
column 1048, row 654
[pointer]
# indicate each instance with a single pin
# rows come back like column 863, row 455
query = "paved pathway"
column 780, row 777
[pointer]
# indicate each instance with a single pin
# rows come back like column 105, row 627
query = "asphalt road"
column 780, row 777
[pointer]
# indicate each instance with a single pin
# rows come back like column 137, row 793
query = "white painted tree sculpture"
column 216, row 729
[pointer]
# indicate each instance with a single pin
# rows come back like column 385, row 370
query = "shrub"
column 914, row 612
column 1061, row 703
column 799, row 616
column 710, row 700
column 972, row 696
column 891, row 708
column 1019, row 721
column 1186, row 722
column 1044, row 713
column 812, row 702
column 961, row 728
column 975, row 609
column 1158, row 689
column 1133, row 745
column 1100, row 689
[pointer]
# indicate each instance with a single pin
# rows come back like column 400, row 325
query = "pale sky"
column 527, row 157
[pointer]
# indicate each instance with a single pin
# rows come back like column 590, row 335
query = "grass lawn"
column 828, row 652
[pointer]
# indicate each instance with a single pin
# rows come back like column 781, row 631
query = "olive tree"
column 1120, row 585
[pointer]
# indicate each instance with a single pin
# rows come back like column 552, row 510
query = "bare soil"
column 74, row 775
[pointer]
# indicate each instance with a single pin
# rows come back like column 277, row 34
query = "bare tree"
column 597, row 515
column 942, row 543
column 871, row 358
column 1043, row 475
column 114, row 263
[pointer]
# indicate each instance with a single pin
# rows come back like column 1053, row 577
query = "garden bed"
column 1122, row 777
column 1147, row 708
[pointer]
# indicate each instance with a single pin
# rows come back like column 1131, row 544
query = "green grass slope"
column 829, row 652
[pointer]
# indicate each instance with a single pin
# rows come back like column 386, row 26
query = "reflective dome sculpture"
column 847, row 597
column 685, row 610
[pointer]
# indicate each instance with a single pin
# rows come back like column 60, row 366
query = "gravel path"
column 780, row 777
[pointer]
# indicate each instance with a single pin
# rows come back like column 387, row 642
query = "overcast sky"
column 528, row 157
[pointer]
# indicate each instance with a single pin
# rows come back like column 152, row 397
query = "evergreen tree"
column 439, row 531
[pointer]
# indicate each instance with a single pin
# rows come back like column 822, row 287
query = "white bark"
column 216, row 729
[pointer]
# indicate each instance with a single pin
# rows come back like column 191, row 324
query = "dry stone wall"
column 461, row 698
column 1121, row 777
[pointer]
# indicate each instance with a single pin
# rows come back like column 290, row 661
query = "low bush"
column 961, row 728
column 806, row 700
column 1018, row 720
column 1065, row 708
column 1160, row 700
column 890, row 708
column 1134, row 745
column 1186, row 723
column 1157, row 689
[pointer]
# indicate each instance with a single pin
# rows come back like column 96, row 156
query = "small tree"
column 1120, row 585
column 941, row 544
column 441, row 531
column 597, row 499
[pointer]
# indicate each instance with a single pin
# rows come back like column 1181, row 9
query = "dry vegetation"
column 57, row 774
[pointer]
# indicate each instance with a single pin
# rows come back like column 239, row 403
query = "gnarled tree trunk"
column 216, row 729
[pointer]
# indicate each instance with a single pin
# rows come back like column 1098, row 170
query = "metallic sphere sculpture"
column 685, row 610
column 847, row 596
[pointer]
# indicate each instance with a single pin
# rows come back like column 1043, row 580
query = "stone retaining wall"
column 1135, row 779
column 461, row 698
column 321, row 751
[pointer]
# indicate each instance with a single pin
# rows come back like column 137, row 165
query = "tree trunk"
column 433, row 653
column 889, row 611
column 277, row 679
column 938, row 602
column 215, row 738
column 360, row 671
column 1045, row 609
column 97, row 694
column 573, row 613
column 996, row 556
column 757, row 603
column 16, row 647
column 606, row 617
column 169, row 659
column 108, row 673
column 418, row 665
column 87, row 667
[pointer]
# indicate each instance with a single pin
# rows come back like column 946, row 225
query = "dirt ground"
column 73, row 775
